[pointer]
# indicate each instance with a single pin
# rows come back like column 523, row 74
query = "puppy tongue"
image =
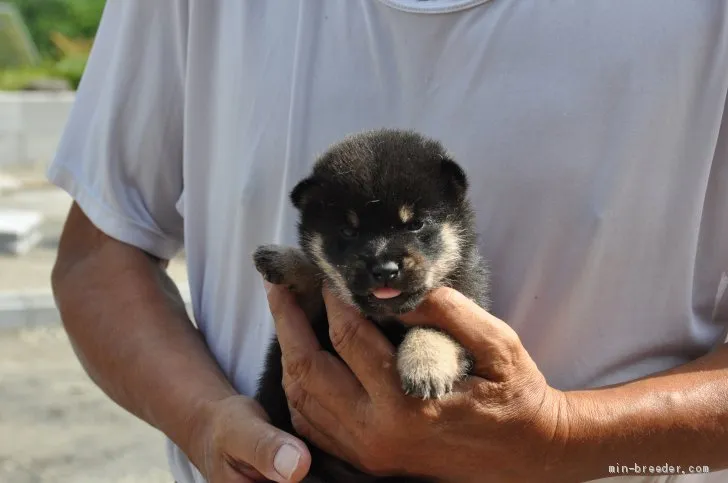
column 386, row 293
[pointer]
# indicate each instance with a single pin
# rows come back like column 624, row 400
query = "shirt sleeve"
column 120, row 156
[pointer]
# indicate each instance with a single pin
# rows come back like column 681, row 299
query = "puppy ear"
column 456, row 181
column 306, row 191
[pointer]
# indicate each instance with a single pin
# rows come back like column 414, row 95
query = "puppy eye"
column 415, row 225
column 348, row 232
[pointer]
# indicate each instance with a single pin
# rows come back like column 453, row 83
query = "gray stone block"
column 20, row 231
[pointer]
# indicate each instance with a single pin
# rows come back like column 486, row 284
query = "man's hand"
column 507, row 419
column 129, row 326
column 234, row 443
column 505, row 424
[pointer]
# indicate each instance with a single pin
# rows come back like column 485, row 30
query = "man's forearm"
column 129, row 327
column 676, row 418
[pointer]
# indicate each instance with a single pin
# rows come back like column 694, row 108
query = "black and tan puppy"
column 384, row 218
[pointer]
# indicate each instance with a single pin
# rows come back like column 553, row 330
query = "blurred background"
column 55, row 425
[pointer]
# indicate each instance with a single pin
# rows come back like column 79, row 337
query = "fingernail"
column 267, row 286
column 286, row 460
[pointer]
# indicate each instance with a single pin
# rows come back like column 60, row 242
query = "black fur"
column 374, row 175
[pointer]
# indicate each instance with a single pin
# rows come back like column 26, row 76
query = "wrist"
column 586, row 441
column 198, row 427
column 558, row 440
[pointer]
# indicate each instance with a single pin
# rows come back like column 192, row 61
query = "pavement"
column 25, row 294
column 58, row 427
column 55, row 424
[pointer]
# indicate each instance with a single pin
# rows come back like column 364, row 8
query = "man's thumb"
column 275, row 454
column 491, row 341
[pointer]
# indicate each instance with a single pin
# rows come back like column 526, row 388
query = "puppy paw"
column 289, row 266
column 429, row 363
column 272, row 262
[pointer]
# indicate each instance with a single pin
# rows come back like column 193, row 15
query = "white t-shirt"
column 593, row 133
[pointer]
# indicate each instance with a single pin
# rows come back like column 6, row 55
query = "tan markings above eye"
column 352, row 218
column 408, row 262
column 405, row 213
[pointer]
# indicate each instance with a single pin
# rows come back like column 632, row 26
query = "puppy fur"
column 382, row 210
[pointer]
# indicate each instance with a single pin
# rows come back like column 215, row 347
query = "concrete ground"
column 31, row 272
column 58, row 427
column 55, row 424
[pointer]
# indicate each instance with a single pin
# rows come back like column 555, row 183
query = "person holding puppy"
column 596, row 143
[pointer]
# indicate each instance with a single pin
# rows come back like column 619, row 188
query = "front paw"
column 427, row 383
column 270, row 262
column 430, row 363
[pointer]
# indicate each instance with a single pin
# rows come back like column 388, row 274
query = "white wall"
column 31, row 124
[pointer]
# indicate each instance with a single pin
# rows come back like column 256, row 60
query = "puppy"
column 384, row 219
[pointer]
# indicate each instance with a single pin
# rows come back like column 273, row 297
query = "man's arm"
column 128, row 325
column 675, row 418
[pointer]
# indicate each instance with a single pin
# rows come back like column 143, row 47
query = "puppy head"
column 385, row 217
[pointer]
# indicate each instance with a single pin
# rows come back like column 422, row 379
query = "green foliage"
column 18, row 78
column 71, row 68
column 10, row 44
column 62, row 31
column 16, row 49
column 75, row 19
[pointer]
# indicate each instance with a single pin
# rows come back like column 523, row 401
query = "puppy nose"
column 385, row 271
